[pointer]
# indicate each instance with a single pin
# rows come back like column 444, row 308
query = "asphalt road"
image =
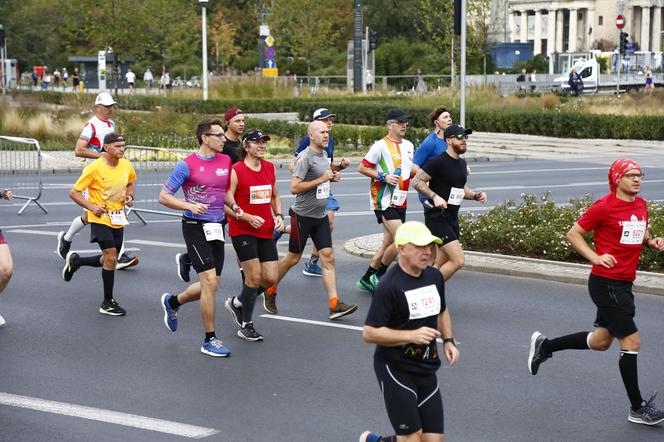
column 308, row 380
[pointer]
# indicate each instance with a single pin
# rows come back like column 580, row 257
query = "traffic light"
column 457, row 17
column 623, row 42
column 2, row 36
column 373, row 40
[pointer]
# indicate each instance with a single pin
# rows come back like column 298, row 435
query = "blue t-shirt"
column 432, row 146
column 329, row 149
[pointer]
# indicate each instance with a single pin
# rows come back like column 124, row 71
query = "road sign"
column 269, row 53
column 270, row 63
column 269, row 41
column 620, row 21
column 274, row 72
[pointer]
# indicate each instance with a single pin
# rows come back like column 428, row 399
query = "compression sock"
column 89, row 261
column 575, row 341
column 248, row 300
column 629, row 373
column 108, row 276
column 76, row 226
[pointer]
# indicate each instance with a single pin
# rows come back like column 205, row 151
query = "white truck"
column 594, row 82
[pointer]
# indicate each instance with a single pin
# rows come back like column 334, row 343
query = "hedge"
column 537, row 228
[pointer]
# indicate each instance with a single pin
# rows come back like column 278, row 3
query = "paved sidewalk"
column 646, row 282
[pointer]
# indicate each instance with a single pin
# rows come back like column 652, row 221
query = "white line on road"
column 156, row 243
column 108, row 416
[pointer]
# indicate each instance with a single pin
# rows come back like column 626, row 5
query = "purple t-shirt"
column 203, row 180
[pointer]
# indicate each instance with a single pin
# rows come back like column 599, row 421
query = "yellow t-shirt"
column 107, row 186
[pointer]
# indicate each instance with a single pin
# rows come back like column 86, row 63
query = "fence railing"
column 20, row 169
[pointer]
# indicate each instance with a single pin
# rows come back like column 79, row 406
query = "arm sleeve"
column 86, row 133
column 85, row 180
column 178, row 177
column 301, row 167
column 304, row 143
column 424, row 151
column 593, row 217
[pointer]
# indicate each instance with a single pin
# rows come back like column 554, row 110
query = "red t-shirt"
column 619, row 229
column 254, row 195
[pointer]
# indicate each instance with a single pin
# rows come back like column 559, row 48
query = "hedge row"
column 537, row 228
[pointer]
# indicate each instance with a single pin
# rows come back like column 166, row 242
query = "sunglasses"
column 631, row 176
column 461, row 136
column 220, row 135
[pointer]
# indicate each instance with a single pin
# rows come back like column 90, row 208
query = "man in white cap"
column 90, row 146
column 407, row 315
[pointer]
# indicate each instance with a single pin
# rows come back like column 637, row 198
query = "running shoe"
column 63, row 245
column 183, row 267
column 236, row 312
column 125, row 261
column 2, row 321
column 363, row 284
column 71, row 265
column 277, row 235
column 270, row 302
column 312, row 269
column 170, row 313
column 536, row 357
column 374, row 280
column 368, row 436
column 342, row 310
column 112, row 308
column 249, row 334
column 648, row 414
column 215, row 348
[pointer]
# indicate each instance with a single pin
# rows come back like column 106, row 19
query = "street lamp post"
column 205, row 60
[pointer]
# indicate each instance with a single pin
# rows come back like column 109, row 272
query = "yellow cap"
column 416, row 233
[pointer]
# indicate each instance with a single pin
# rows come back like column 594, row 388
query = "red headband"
column 619, row 168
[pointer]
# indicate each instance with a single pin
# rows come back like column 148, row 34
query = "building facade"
column 576, row 25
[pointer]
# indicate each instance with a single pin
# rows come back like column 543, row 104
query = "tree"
column 435, row 24
column 302, row 27
column 221, row 38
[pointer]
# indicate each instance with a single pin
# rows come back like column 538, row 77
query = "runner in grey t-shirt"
column 311, row 185
column 312, row 166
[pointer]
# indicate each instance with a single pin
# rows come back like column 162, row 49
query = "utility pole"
column 357, row 48
column 3, row 56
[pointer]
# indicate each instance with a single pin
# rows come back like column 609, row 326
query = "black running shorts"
column 203, row 254
column 444, row 226
column 303, row 227
column 249, row 247
column 615, row 305
column 389, row 214
column 107, row 237
column 413, row 400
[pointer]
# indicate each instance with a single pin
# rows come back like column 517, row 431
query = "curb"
column 646, row 282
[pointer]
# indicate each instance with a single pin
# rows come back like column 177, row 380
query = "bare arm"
column 129, row 195
column 79, row 199
column 276, row 208
column 371, row 172
column 81, row 150
column 421, row 183
column 390, row 337
column 298, row 185
column 445, row 326
column 578, row 242
column 477, row 196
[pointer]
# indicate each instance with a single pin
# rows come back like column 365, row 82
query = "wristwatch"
column 452, row 340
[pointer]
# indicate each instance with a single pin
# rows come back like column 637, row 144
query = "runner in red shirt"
column 253, row 185
column 620, row 223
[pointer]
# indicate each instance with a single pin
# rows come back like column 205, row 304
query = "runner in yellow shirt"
column 109, row 180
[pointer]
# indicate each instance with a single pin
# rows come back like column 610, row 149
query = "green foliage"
column 399, row 57
column 537, row 227
column 538, row 63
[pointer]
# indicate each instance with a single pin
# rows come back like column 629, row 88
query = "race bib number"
column 260, row 194
column 118, row 217
column 456, row 196
column 633, row 231
column 399, row 197
column 323, row 190
column 213, row 231
column 423, row 302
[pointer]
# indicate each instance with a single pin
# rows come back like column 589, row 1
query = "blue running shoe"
column 277, row 235
column 215, row 348
column 170, row 314
column 368, row 436
column 312, row 269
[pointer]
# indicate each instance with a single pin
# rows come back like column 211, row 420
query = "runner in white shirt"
column 89, row 146
column 131, row 80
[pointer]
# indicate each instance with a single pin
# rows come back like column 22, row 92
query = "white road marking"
column 156, row 243
column 108, row 416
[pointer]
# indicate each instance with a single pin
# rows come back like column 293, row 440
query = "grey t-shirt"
column 310, row 166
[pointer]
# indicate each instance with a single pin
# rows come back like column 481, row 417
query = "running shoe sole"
column 265, row 307
column 163, row 307
column 636, row 420
column 125, row 265
column 246, row 338
column 61, row 238
column 109, row 313
column 214, row 355
column 305, row 272
column 531, row 353
column 177, row 266
column 66, row 267
column 230, row 309
column 363, row 286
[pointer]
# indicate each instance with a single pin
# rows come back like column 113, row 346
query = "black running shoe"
column 648, row 414
column 125, row 261
column 249, row 334
column 63, row 245
column 71, row 265
column 111, row 308
column 536, row 357
column 182, row 266
column 236, row 312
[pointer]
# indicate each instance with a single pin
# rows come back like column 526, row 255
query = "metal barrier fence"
column 20, row 169
column 153, row 166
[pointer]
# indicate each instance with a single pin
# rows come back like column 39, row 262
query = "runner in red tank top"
column 253, row 185
column 620, row 223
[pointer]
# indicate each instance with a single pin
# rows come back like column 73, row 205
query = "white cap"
column 105, row 99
